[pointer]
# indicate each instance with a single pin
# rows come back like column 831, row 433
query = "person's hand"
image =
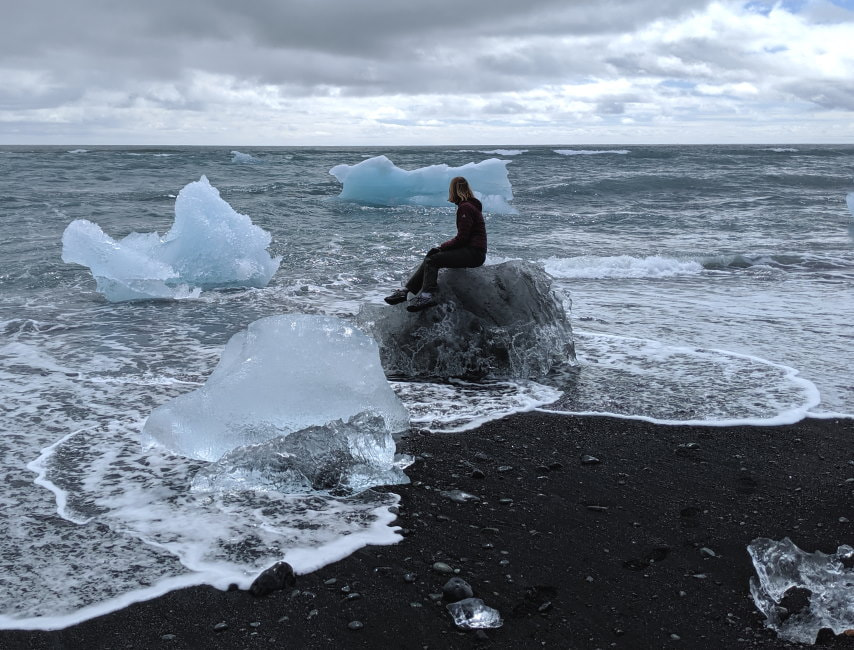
column 433, row 251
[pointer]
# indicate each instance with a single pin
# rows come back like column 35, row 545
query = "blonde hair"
column 459, row 190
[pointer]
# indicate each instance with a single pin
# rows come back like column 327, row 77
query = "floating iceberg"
column 502, row 321
column 829, row 579
column 243, row 158
column 209, row 245
column 279, row 376
column 377, row 181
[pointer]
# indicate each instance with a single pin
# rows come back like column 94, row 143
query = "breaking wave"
column 620, row 266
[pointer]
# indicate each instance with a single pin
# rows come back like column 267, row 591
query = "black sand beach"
column 573, row 555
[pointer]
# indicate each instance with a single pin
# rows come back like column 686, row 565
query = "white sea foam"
column 781, row 149
column 682, row 385
column 620, row 266
column 134, row 516
column 460, row 406
column 589, row 152
column 78, row 151
column 505, row 152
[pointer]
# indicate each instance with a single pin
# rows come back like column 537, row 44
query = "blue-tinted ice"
column 209, row 245
column 781, row 566
column 378, row 181
column 280, row 375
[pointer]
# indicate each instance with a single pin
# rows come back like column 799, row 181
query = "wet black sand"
column 627, row 573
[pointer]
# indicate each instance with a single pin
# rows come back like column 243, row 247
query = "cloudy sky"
column 386, row 72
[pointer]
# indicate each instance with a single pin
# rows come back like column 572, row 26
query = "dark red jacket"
column 471, row 230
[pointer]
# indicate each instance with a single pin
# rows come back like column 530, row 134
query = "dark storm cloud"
column 365, row 47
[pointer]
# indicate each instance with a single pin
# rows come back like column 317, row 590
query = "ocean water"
column 706, row 284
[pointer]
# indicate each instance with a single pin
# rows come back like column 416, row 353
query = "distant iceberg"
column 282, row 375
column 209, row 245
column 378, row 181
column 243, row 158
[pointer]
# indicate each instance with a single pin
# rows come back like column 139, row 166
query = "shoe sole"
column 394, row 301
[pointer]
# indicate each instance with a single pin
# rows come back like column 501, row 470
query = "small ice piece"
column 280, row 375
column 209, row 245
column 781, row 566
column 458, row 496
column 471, row 614
column 378, row 181
column 339, row 457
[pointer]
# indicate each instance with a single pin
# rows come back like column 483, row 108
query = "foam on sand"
column 378, row 181
column 209, row 245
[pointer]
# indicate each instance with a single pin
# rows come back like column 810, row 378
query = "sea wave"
column 505, row 152
column 619, row 266
column 776, row 261
column 589, row 152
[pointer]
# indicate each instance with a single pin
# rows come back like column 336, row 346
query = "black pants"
column 426, row 276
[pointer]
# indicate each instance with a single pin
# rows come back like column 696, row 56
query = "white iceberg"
column 209, row 245
column 281, row 375
column 378, row 181
column 243, row 158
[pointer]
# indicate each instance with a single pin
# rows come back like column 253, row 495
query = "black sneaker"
column 397, row 297
column 421, row 302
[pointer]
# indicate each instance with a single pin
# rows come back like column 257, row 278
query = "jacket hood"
column 475, row 202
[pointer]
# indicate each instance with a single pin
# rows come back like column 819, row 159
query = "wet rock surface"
column 561, row 575
column 502, row 320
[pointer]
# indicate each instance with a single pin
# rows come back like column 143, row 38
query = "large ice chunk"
column 209, row 245
column 280, row 375
column 829, row 579
column 377, row 181
column 502, row 321
column 339, row 457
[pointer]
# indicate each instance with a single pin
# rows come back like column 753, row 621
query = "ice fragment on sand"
column 829, row 579
column 502, row 320
column 378, row 181
column 338, row 457
column 280, row 375
column 209, row 245
column 472, row 613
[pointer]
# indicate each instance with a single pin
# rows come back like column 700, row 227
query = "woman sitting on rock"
column 466, row 250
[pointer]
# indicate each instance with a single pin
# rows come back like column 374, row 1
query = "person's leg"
column 456, row 258
column 416, row 280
